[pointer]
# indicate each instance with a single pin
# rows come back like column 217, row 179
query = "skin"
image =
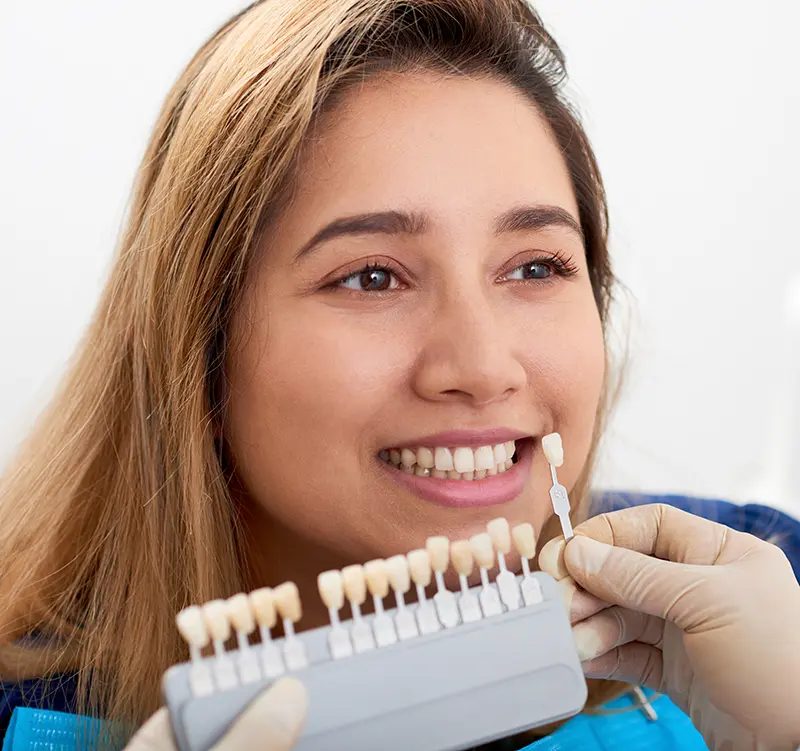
column 323, row 376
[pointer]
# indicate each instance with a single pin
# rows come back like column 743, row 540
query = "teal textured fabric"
column 626, row 728
column 44, row 730
column 631, row 730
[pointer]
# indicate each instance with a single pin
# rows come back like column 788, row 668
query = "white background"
column 694, row 110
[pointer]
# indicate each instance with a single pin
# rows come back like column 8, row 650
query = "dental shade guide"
column 452, row 689
column 447, row 673
column 499, row 670
column 554, row 453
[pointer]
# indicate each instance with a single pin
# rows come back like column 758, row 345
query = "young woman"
column 361, row 226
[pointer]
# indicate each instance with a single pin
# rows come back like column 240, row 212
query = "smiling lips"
column 459, row 476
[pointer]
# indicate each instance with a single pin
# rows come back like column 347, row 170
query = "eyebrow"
column 518, row 219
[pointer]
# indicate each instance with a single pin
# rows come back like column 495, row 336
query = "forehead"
column 452, row 145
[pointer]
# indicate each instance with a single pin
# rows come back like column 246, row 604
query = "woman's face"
column 426, row 289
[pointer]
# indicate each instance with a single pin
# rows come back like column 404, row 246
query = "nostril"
column 455, row 392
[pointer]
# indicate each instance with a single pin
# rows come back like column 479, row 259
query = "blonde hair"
column 117, row 512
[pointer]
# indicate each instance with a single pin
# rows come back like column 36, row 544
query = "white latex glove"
column 271, row 723
column 689, row 608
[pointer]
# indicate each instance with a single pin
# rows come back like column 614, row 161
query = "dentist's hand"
column 690, row 608
column 271, row 723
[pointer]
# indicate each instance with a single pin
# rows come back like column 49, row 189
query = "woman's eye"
column 370, row 279
column 532, row 270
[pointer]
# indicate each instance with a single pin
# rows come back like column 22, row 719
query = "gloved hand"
column 271, row 723
column 689, row 608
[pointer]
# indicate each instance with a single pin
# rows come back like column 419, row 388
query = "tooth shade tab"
column 501, row 535
column 445, row 601
column 405, row 623
column 553, row 449
column 377, row 577
column 192, row 626
column 375, row 572
column 287, row 602
column 240, row 614
column 461, row 555
column 505, row 581
column 482, row 550
column 331, row 589
column 463, row 562
column 484, row 554
column 524, row 540
column 419, row 567
column 439, row 552
column 355, row 585
column 263, row 602
column 397, row 569
column 216, row 617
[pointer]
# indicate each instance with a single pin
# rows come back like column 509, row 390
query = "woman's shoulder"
column 761, row 521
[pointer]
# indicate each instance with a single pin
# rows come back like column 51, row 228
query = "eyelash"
column 562, row 266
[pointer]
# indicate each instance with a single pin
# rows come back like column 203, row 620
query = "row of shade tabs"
column 215, row 622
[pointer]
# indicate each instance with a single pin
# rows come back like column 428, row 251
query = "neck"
column 276, row 554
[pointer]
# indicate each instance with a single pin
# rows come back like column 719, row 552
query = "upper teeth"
column 461, row 459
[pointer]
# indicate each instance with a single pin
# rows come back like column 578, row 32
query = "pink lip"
column 468, row 438
column 491, row 491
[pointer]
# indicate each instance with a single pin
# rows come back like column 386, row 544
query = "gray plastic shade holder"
column 453, row 689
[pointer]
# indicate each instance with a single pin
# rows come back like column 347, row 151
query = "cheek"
column 305, row 400
column 306, row 374
column 572, row 362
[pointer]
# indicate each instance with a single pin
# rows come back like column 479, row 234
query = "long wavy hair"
column 117, row 511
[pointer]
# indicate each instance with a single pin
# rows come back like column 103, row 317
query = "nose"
column 470, row 353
